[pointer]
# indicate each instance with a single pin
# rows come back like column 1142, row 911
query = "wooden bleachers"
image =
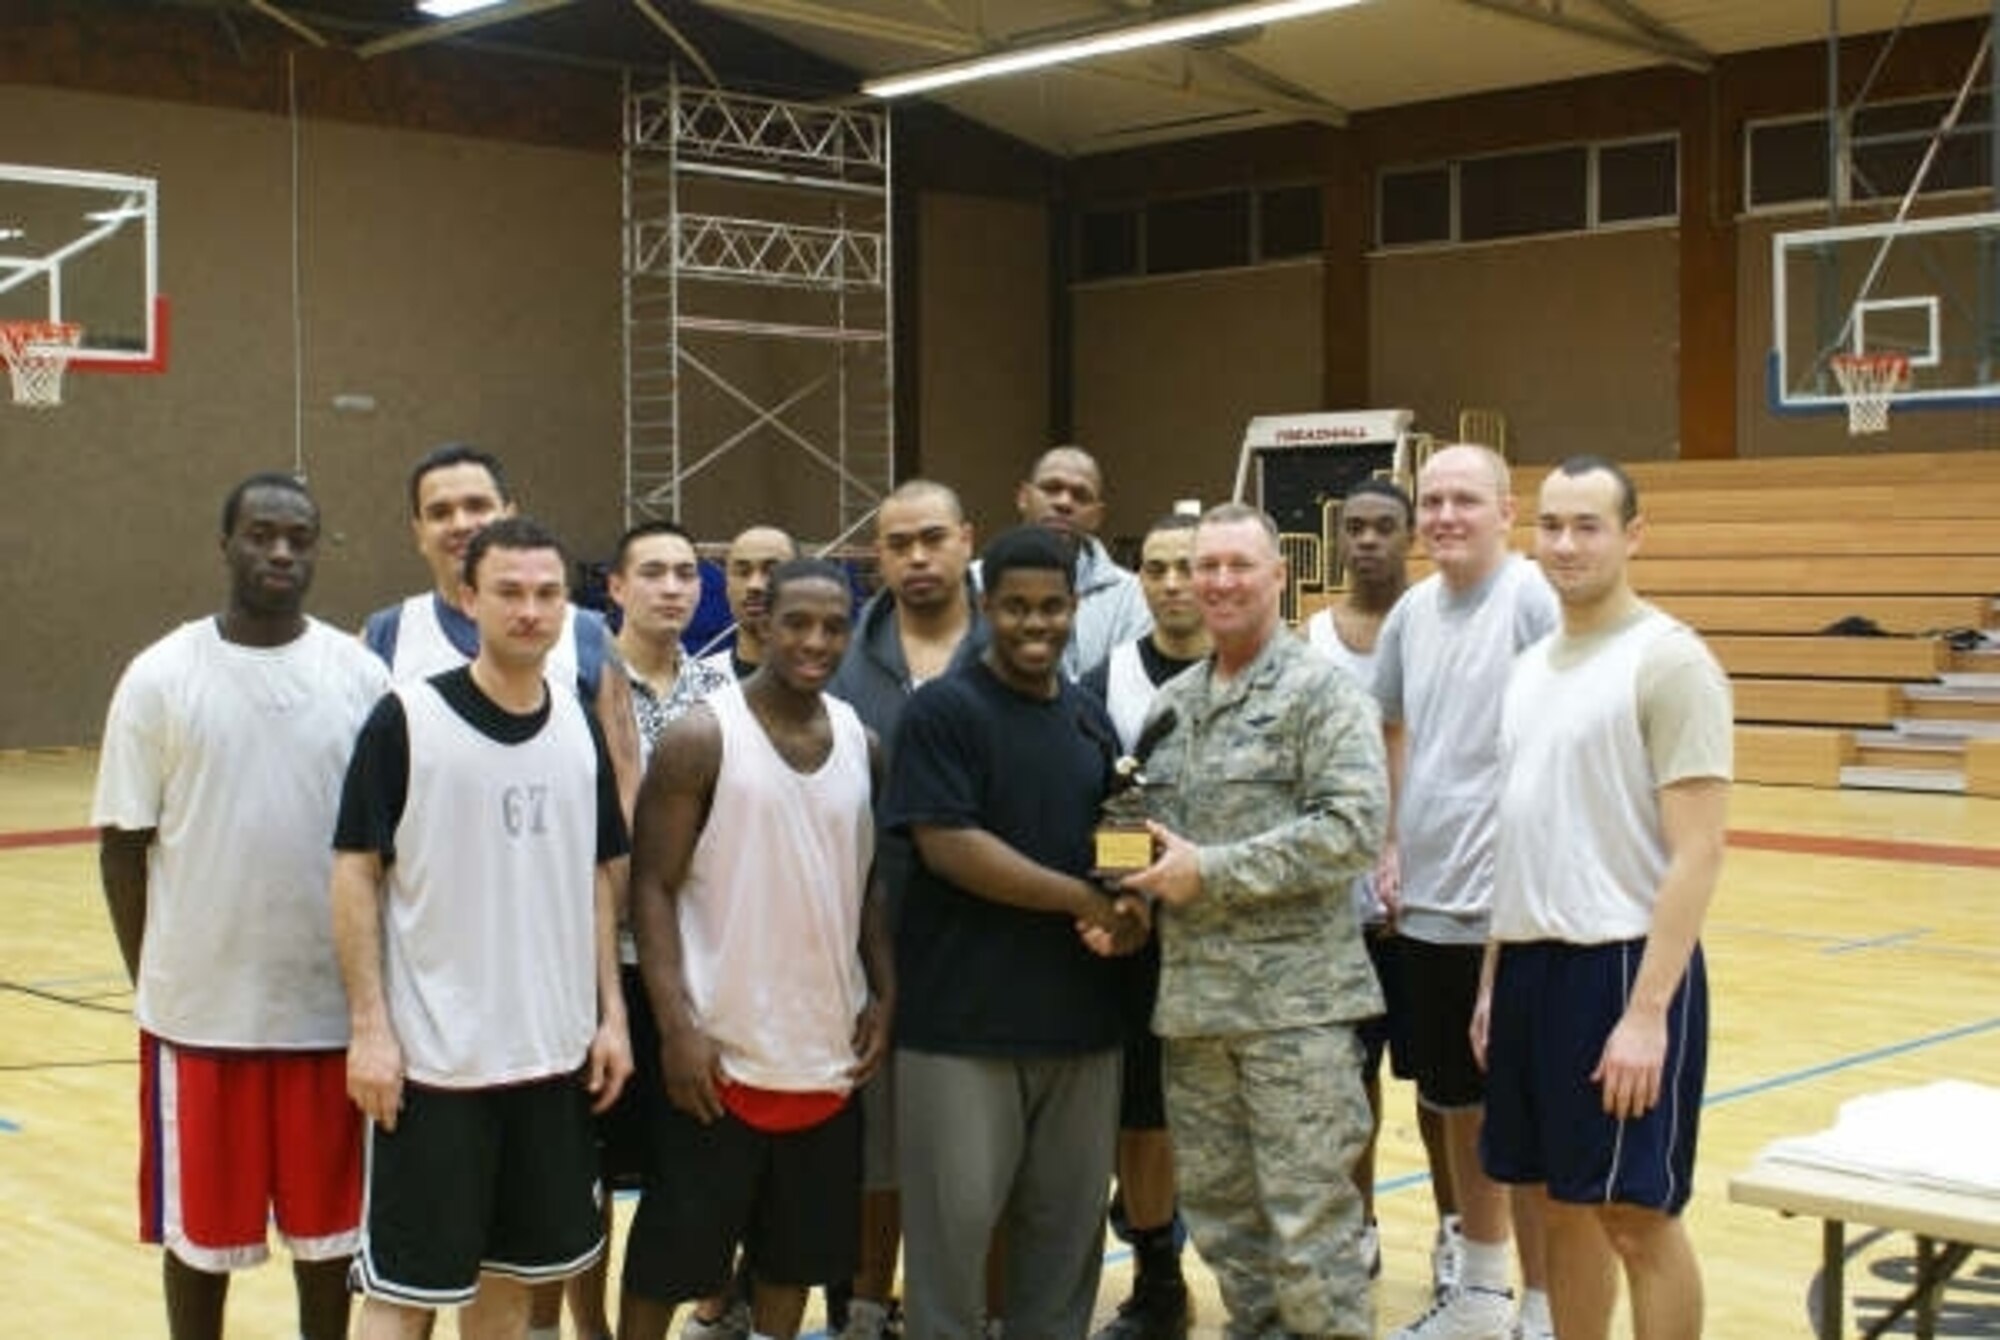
column 1763, row 556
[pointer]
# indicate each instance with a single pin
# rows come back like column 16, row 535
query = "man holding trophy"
column 1268, row 792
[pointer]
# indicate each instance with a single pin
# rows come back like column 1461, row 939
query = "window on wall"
column 1785, row 161
column 1415, row 206
column 1533, row 192
column 1200, row 232
column 1216, row 231
column 1288, row 222
column 1108, row 243
column 1638, row 181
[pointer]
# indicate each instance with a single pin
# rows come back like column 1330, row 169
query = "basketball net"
column 1868, row 382
column 37, row 352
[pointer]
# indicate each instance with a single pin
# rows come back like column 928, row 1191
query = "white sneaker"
column 866, row 1320
column 1447, row 1258
column 733, row 1324
column 1528, row 1330
column 1470, row 1313
column 1371, row 1249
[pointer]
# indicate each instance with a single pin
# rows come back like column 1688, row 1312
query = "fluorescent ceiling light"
column 1131, row 37
column 451, row 9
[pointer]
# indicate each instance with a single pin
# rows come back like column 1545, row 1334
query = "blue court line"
column 91, row 979
column 7, row 1127
column 1756, row 1087
column 1849, row 1062
column 1877, row 941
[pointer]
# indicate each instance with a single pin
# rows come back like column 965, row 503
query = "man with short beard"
column 753, row 556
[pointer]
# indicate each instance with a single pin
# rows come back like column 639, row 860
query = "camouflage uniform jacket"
column 1278, row 776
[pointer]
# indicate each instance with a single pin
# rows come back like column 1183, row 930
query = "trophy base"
column 1122, row 849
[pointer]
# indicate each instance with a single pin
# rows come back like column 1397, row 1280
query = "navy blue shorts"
column 1553, row 1007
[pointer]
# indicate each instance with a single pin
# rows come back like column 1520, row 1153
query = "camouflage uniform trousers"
column 1267, row 1127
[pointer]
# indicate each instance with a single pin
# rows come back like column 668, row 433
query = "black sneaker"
column 1158, row 1312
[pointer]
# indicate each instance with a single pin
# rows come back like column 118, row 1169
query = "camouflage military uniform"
column 1278, row 777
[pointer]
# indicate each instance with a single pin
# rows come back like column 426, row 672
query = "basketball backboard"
column 1928, row 289
column 84, row 247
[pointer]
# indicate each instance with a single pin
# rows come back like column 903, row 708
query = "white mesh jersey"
column 235, row 755
column 424, row 649
column 489, row 929
column 770, row 912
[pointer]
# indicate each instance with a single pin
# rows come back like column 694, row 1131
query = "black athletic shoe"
column 1157, row 1311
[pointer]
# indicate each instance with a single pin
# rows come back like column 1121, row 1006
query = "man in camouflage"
column 1269, row 793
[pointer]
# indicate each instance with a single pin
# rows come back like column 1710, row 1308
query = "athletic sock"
column 1156, row 1253
column 1485, row 1265
column 1535, row 1311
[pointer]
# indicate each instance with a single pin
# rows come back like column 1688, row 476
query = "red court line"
column 53, row 837
column 1868, row 849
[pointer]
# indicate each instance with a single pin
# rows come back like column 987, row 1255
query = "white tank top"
column 1581, row 852
column 770, row 913
column 1128, row 692
column 1323, row 635
column 489, row 937
column 424, row 649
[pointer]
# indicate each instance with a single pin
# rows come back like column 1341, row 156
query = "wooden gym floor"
column 1855, row 946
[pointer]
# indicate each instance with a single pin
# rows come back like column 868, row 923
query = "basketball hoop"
column 36, row 354
column 1867, row 383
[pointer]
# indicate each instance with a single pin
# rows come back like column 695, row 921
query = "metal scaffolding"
column 757, row 302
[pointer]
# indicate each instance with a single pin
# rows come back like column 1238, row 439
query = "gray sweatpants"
column 987, row 1142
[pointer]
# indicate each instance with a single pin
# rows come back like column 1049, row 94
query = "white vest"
column 1128, row 692
column 489, row 937
column 423, row 649
column 770, row 911
column 1580, row 852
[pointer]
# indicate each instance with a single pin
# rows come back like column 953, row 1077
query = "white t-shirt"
column 1592, row 728
column 770, row 913
column 235, row 756
column 1441, row 666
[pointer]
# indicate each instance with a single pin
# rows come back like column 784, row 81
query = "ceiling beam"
column 1191, row 85
column 833, row 18
column 297, row 25
column 1675, row 52
column 679, row 39
column 465, row 23
column 1632, row 13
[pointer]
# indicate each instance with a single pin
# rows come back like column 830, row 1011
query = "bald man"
column 753, row 556
column 1441, row 669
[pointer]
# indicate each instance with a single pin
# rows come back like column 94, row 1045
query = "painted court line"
column 48, row 837
column 1868, row 849
column 1876, row 941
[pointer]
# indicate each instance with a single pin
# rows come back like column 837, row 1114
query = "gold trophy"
column 1123, row 845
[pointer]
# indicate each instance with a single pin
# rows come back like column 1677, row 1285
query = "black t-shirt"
column 378, row 776
column 979, row 977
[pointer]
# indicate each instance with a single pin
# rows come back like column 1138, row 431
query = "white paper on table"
column 1944, row 1135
